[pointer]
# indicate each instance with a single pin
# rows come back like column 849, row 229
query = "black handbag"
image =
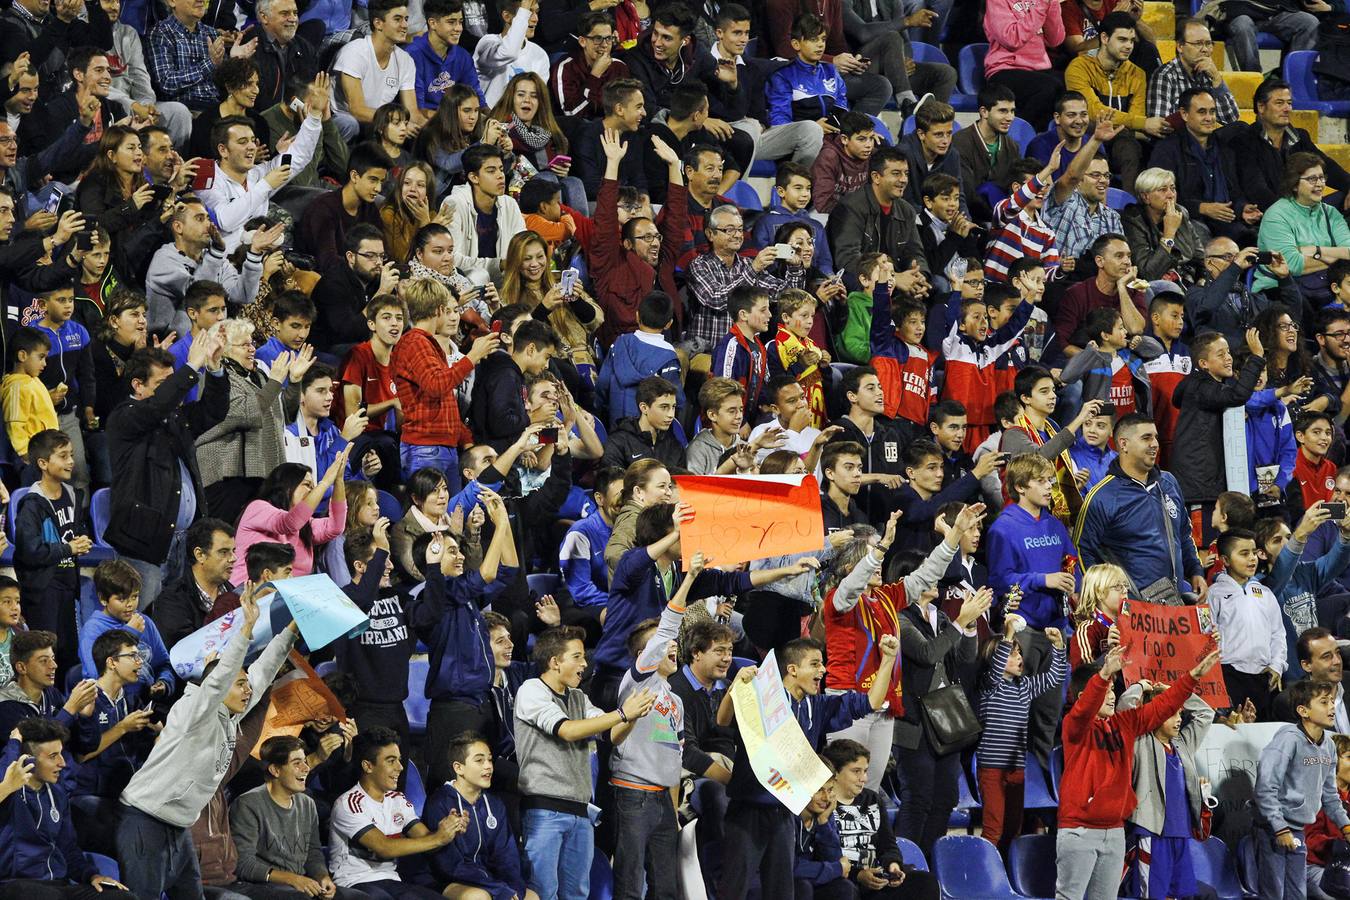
column 951, row 721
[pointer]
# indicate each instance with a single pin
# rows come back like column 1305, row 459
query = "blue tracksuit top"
column 1097, row 460
column 802, row 92
column 637, row 592
column 157, row 666
column 1023, row 549
column 486, row 854
column 1270, row 438
column 1122, row 521
column 436, row 75
column 37, row 833
column 632, row 358
column 448, row 617
column 582, row 560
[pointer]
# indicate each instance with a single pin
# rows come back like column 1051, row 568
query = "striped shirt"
column 1005, row 704
column 1022, row 234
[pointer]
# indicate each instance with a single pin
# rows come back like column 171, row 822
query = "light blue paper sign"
column 323, row 612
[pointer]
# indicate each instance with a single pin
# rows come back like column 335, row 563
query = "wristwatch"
column 1169, row 244
column 1317, row 253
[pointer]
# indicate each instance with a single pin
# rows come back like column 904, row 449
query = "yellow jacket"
column 1122, row 91
column 28, row 409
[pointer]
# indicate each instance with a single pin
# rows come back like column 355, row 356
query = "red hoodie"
column 1322, row 835
column 1097, row 788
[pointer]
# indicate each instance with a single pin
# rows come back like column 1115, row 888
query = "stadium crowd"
column 439, row 298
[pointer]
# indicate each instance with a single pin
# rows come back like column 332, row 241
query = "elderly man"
column 282, row 53
column 1222, row 301
column 714, row 274
column 1193, row 67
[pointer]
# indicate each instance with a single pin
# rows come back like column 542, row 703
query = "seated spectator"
column 1262, row 148
column 875, row 32
column 944, row 228
column 714, row 275
column 499, row 57
column 876, row 219
column 1108, row 289
column 1222, row 298
column 118, row 588
column 282, row 53
column 373, row 825
column 928, row 149
column 376, row 70
column 529, row 281
column 1167, row 318
column 239, row 83
column 197, row 253
column 1314, row 474
column 124, row 735
column 1076, row 207
column 284, row 512
column 625, row 109
column 1092, row 449
column 537, row 140
column 184, row 54
column 294, row 314
column 808, row 89
column 439, row 59
column 314, row 439
column 979, row 166
column 578, row 88
column 1111, row 367
column 323, row 229
column 1192, row 67
column 1018, row 58
column 483, row 219
column 408, row 210
column 649, row 433
column 1206, row 173
column 428, row 513
column 114, row 192
column 33, row 693
column 497, row 412
column 793, row 193
column 819, row 863
column 1163, row 241
column 858, row 83
column 1110, row 82
column 1296, row 29
column 1298, row 219
column 185, row 604
column 1071, row 127
column 287, row 116
column 347, row 287
column 842, row 165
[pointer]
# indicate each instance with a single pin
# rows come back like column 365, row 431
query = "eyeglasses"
column 1226, row 257
column 135, row 654
column 370, row 255
column 1123, row 587
column 730, row 230
column 656, row 236
column 1099, row 176
column 1203, row 45
column 8, row 140
column 1314, row 179
column 1287, row 327
column 973, row 282
column 1337, row 335
column 601, row 39
column 630, row 207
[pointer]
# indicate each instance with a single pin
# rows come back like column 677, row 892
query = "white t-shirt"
column 355, row 813
column 799, row 442
column 378, row 86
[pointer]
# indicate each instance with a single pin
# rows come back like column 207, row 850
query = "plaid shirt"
column 425, row 383
column 1171, row 81
column 711, row 283
column 1076, row 226
column 180, row 61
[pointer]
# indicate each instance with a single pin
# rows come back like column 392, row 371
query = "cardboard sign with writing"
column 321, row 609
column 782, row 758
column 297, row 697
column 739, row 518
column 1162, row 643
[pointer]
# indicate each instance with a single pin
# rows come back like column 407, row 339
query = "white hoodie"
column 1251, row 626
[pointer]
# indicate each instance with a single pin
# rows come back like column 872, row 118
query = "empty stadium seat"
column 1031, row 864
column 1298, row 71
column 413, row 787
column 1215, row 867
column 912, row 854
column 970, row 68
column 928, row 53
column 417, row 705
column 744, row 196
column 969, row 868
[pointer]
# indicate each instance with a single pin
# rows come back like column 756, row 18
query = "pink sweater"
column 1019, row 33
column 262, row 521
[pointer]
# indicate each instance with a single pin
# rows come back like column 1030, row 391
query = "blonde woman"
column 1095, row 628
column 528, row 280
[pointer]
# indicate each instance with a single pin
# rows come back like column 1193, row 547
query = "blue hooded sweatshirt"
column 436, row 75
column 448, row 618
column 157, row 666
column 1298, row 591
column 633, row 357
column 803, row 91
column 1022, row 551
column 37, row 833
column 582, row 560
column 1270, row 438
column 486, row 855
column 1097, row 460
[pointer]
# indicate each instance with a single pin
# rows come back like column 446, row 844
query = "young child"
column 1231, row 510
column 792, row 194
column 1099, row 750
column 1295, row 780
column 1167, row 319
column 1027, row 278
column 1168, row 794
column 792, row 352
column 11, row 614
column 366, row 379
column 295, row 314
column 920, row 499
column 966, row 275
column 541, row 205
column 118, row 586
column 1111, row 365
column 1007, row 695
column 906, row 368
column 1272, row 451
column 204, row 303
column 485, row 856
column 739, row 354
column 1091, row 451
column 723, row 403
column 1322, row 833
column 1247, row 614
column 806, row 89
column 870, row 271
column 1202, row 398
column 638, row 355
column 944, row 229
column 971, row 352
column 1095, row 629
column 1314, row 473
column 69, row 373
column 649, row 434
column 28, row 404
column 48, row 541
column 1018, row 229
column 841, row 166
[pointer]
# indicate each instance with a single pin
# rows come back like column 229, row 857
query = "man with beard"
column 282, row 54
column 1110, row 82
column 346, row 287
column 1331, row 366
column 1123, row 517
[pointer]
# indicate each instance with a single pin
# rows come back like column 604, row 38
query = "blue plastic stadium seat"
column 104, row 865
column 1031, row 863
column 882, row 130
column 390, row 508
column 413, row 787
column 325, row 667
column 1298, row 71
column 912, row 854
column 544, row 583
column 417, row 705
column 1022, row 134
column 969, row 868
column 965, row 802
column 602, row 878
column 927, row 53
column 1037, row 788
column 1215, row 867
column 908, row 125
column 744, row 196
column 764, row 168
column 970, row 68
column 1056, row 768
column 1118, row 199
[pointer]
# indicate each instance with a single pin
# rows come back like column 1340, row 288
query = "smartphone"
column 865, row 60
column 1108, row 409
column 159, row 193
column 1336, row 509
column 85, row 239
column 1264, row 257
column 206, row 175
column 548, row 436
column 365, row 408
column 497, row 326
column 784, row 252
column 285, row 159
column 560, row 160
column 568, row 282
column 54, row 200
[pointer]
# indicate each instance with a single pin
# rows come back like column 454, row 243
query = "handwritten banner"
column 780, row 755
column 298, row 697
column 1228, row 757
column 1162, row 643
column 188, row 656
column 321, row 609
column 739, row 518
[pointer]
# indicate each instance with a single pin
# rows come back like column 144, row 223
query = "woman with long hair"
column 115, row 189
column 1288, row 365
column 458, row 123
column 238, row 80
column 536, row 137
column 363, row 511
column 407, row 210
column 284, row 513
column 527, row 280
column 237, row 453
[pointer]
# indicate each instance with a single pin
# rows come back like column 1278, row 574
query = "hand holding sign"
column 749, row 517
column 1164, row 643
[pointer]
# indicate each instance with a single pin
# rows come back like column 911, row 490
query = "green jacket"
column 855, row 341
column 1288, row 225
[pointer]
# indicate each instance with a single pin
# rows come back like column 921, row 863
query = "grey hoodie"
column 1150, row 762
column 193, row 752
column 1295, row 779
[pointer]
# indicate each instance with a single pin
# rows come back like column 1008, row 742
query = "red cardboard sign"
column 1162, row 643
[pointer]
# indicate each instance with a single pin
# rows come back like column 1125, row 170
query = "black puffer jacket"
column 1197, row 448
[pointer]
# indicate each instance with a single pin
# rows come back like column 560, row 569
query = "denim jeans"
column 157, row 857
column 558, row 851
column 649, row 834
column 155, row 575
column 420, row 456
column 928, row 793
column 1297, row 29
column 1280, row 873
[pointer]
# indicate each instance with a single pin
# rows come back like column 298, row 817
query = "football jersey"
column 355, row 813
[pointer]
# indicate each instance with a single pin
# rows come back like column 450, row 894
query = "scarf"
column 535, row 139
column 1065, row 499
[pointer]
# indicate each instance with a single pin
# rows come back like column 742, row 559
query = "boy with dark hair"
column 1247, row 613
column 1033, row 431
column 118, row 587
column 577, row 88
column 11, row 614
column 806, row 88
column 204, row 305
column 947, row 232
column 648, row 434
column 1167, row 319
column 27, row 401
column 633, row 357
column 928, row 150
column 841, row 167
column 1314, row 473
column 1098, row 750
column 841, row 465
column 871, row 271
column 542, row 208
column 33, row 692
column 792, row 197
column 819, row 863
column 322, row 230
column 37, row 843
column 882, row 439
column 497, row 413
column 485, row 856
column 1296, row 779
column 740, row 355
column 920, row 499
column 49, row 538
column 366, row 380
column 789, row 418
column 972, row 353
column 898, row 354
column 723, row 404
column 1111, row 366
column 120, row 736
column 69, row 373
column 440, row 61
column 295, row 314
column 1018, row 229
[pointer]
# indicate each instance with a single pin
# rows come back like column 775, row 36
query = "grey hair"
column 236, row 330
column 726, row 209
column 1153, row 179
column 264, row 7
column 848, row 557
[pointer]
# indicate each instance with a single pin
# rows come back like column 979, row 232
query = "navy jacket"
column 37, row 833
column 486, row 854
column 448, row 618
